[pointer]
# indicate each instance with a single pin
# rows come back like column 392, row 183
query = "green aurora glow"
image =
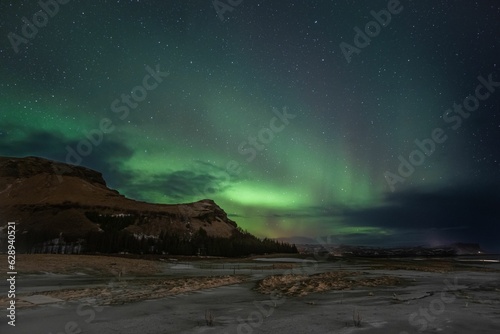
column 351, row 123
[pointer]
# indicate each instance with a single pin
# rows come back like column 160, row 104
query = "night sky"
column 289, row 114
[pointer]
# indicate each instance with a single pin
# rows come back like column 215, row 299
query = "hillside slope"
column 44, row 196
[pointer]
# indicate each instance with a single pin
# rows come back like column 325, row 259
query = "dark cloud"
column 449, row 207
column 199, row 181
column 54, row 145
column 105, row 157
column 392, row 238
column 468, row 213
column 203, row 181
column 38, row 143
column 108, row 158
column 176, row 186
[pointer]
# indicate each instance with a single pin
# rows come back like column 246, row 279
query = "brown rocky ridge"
column 44, row 196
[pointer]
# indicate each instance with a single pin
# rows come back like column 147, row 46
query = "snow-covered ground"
column 427, row 302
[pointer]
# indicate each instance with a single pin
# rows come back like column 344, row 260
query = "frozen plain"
column 464, row 301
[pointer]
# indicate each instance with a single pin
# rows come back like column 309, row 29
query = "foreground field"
column 99, row 294
column 84, row 264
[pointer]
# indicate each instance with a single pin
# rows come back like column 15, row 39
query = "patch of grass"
column 356, row 318
column 302, row 285
column 209, row 318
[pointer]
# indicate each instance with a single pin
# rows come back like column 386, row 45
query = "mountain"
column 50, row 199
column 321, row 245
column 467, row 248
column 332, row 245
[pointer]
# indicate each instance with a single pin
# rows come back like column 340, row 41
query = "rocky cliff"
column 44, row 196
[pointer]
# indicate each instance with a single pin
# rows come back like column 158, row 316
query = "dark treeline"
column 240, row 244
column 113, row 238
column 112, row 241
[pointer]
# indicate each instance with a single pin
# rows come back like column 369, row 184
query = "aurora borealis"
column 181, row 106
